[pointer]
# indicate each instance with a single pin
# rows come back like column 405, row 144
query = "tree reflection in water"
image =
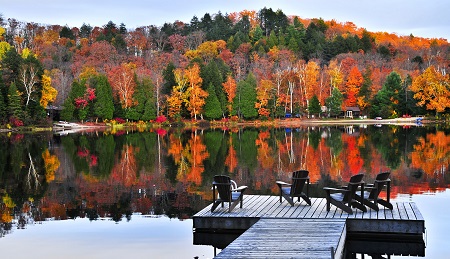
column 169, row 172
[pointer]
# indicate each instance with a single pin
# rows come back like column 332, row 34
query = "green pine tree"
column 334, row 102
column 146, row 104
column 314, row 107
column 103, row 104
column 14, row 103
column 244, row 102
column 3, row 110
column 212, row 105
column 212, row 75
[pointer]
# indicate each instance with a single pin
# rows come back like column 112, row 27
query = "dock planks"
column 265, row 206
column 271, row 224
column 279, row 238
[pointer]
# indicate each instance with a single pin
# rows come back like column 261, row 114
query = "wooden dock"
column 271, row 218
column 279, row 238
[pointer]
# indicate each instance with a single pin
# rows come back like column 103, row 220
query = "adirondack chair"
column 290, row 191
column 227, row 193
column 371, row 195
column 345, row 198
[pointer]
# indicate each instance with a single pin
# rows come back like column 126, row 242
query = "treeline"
column 246, row 65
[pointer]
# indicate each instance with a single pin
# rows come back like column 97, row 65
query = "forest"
column 248, row 65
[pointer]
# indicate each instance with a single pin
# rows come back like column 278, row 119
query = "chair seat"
column 286, row 190
column 337, row 196
column 234, row 196
column 366, row 195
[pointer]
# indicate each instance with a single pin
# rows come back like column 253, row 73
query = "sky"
column 423, row 18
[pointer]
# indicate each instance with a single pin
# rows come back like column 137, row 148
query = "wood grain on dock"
column 269, row 221
column 279, row 238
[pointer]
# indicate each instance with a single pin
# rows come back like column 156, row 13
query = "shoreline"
column 291, row 122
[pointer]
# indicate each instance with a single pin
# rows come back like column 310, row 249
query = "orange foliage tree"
column 263, row 95
column 196, row 94
column 353, row 84
column 432, row 89
column 231, row 160
column 431, row 153
column 198, row 154
column 229, row 87
column 121, row 79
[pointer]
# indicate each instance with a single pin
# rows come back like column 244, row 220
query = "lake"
column 132, row 193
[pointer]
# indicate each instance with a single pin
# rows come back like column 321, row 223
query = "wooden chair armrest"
column 300, row 178
column 283, row 183
column 329, row 189
column 216, row 183
column 240, row 188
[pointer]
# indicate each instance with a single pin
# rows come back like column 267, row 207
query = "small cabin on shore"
column 351, row 112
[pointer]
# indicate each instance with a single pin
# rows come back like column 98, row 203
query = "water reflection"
column 168, row 172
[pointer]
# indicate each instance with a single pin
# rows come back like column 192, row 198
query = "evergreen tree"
column 212, row 75
column 70, row 111
column 334, row 102
column 314, row 40
column 221, row 28
column 10, row 65
column 257, row 34
column 314, row 107
column 169, row 79
column 365, row 92
column 272, row 41
column 103, row 105
column 367, row 41
column 385, row 102
column 146, row 104
column 212, row 105
column 3, row 106
column 14, row 103
column 66, row 32
column 85, row 31
column 244, row 102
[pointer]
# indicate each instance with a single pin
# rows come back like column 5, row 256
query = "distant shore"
column 290, row 122
column 396, row 121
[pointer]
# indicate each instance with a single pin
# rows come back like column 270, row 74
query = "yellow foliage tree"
column 51, row 164
column 87, row 72
column 178, row 95
column 196, row 95
column 335, row 74
column 48, row 92
column 4, row 47
column 26, row 52
column 432, row 89
column 2, row 31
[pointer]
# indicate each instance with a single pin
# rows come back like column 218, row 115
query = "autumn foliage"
column 166, row 70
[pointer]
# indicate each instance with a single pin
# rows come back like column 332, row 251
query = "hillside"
column 246, row 65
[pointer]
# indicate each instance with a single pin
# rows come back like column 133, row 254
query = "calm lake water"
column 131, row 194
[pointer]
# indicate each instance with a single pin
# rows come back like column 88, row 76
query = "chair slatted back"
column 380, row 181
column 299, row 179
column 354, row 183
column 223, row 185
